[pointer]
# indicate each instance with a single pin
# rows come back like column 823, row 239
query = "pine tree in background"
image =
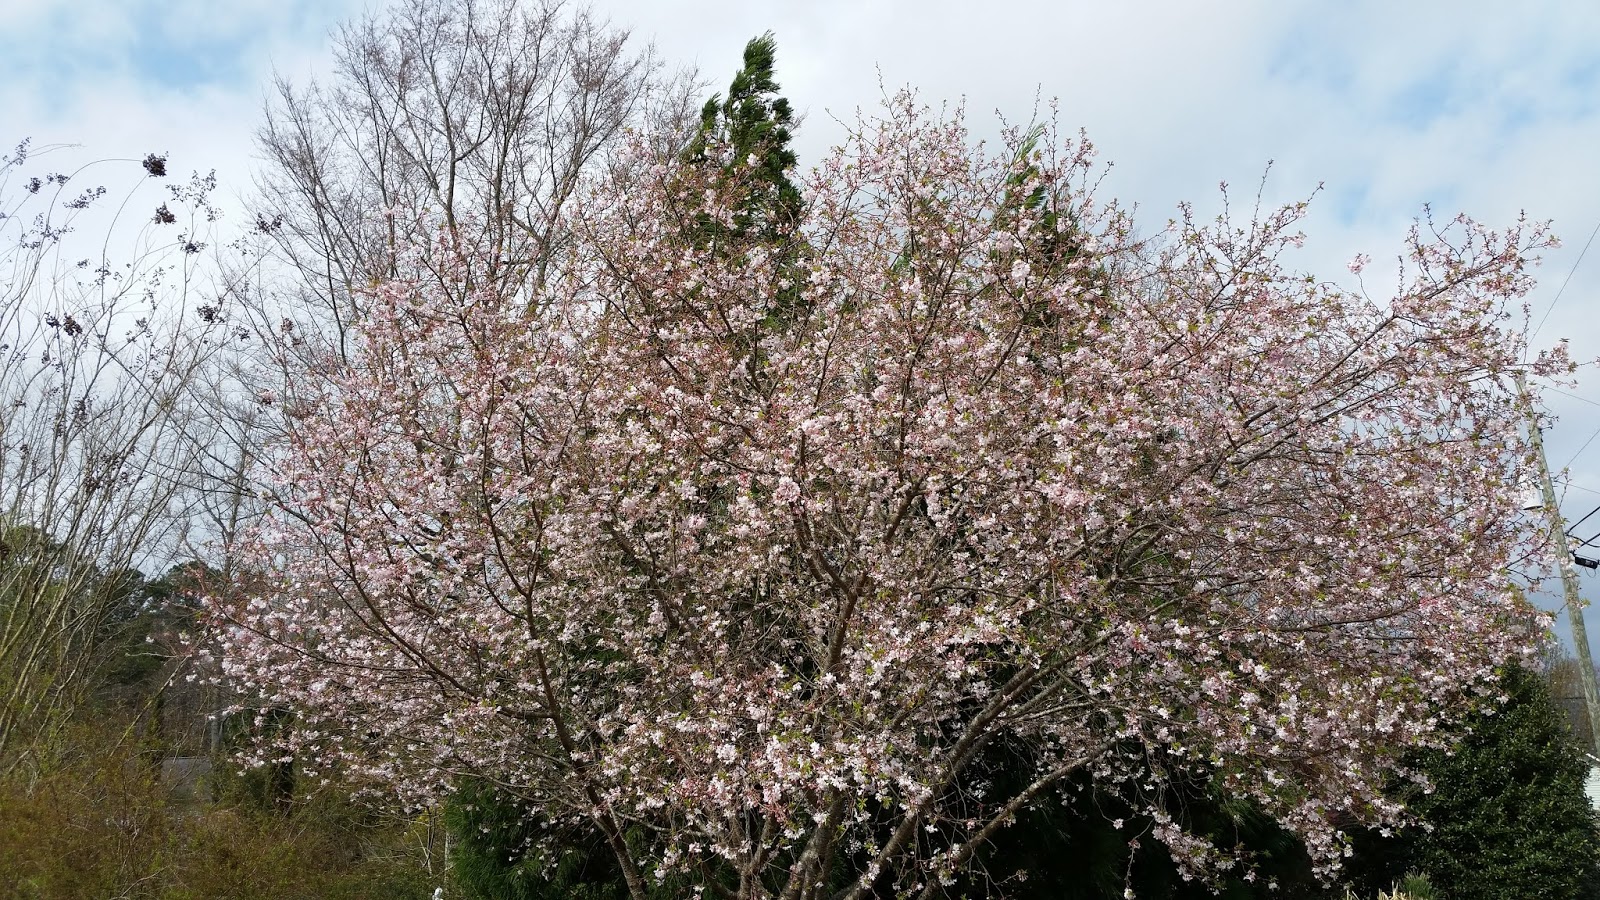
column 746, row 137
column 750, row 131
column 1507, row 813
column 1562, row 674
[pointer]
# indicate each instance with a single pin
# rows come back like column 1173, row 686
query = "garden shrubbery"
column 101, row 823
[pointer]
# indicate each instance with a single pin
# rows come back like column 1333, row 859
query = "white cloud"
column 1485, row 107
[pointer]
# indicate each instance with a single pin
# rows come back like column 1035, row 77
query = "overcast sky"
column 1484, row 108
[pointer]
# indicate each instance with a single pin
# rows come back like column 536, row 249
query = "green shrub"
column 1507, row 816
column 102, row 825
column 1415, row 886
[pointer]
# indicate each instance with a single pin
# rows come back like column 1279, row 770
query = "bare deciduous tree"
column 478, row 115
column 103, row 333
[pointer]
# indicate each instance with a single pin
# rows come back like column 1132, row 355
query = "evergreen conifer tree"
column 749, row 131
column 1507, row 816
column 746, row 137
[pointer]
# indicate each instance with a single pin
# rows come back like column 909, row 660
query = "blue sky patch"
column 1350, row 202
column 1425, row 101
column 155, row 58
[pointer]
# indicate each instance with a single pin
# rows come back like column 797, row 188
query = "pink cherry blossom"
column 760, row 583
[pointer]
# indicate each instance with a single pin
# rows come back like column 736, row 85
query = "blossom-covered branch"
column 746, row 551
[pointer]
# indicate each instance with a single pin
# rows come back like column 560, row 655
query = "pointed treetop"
column 753, row 121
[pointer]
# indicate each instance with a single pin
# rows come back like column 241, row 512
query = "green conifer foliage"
column 751, row 125
column 1508, row 814
column 1089, row 843
column 493, row 856
column 746, row 137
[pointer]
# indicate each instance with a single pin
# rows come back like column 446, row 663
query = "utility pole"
column 1569, row 575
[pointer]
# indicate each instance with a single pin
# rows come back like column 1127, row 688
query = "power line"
column 1564, row 284
column 1569, row 484
column 1586, row 443
column 1581, row 449
column 1574, row 526
column 1573, row 396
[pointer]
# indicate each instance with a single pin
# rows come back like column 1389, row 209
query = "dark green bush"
column 1507, row 816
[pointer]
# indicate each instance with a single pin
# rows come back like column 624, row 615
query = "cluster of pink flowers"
column 654, row 551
